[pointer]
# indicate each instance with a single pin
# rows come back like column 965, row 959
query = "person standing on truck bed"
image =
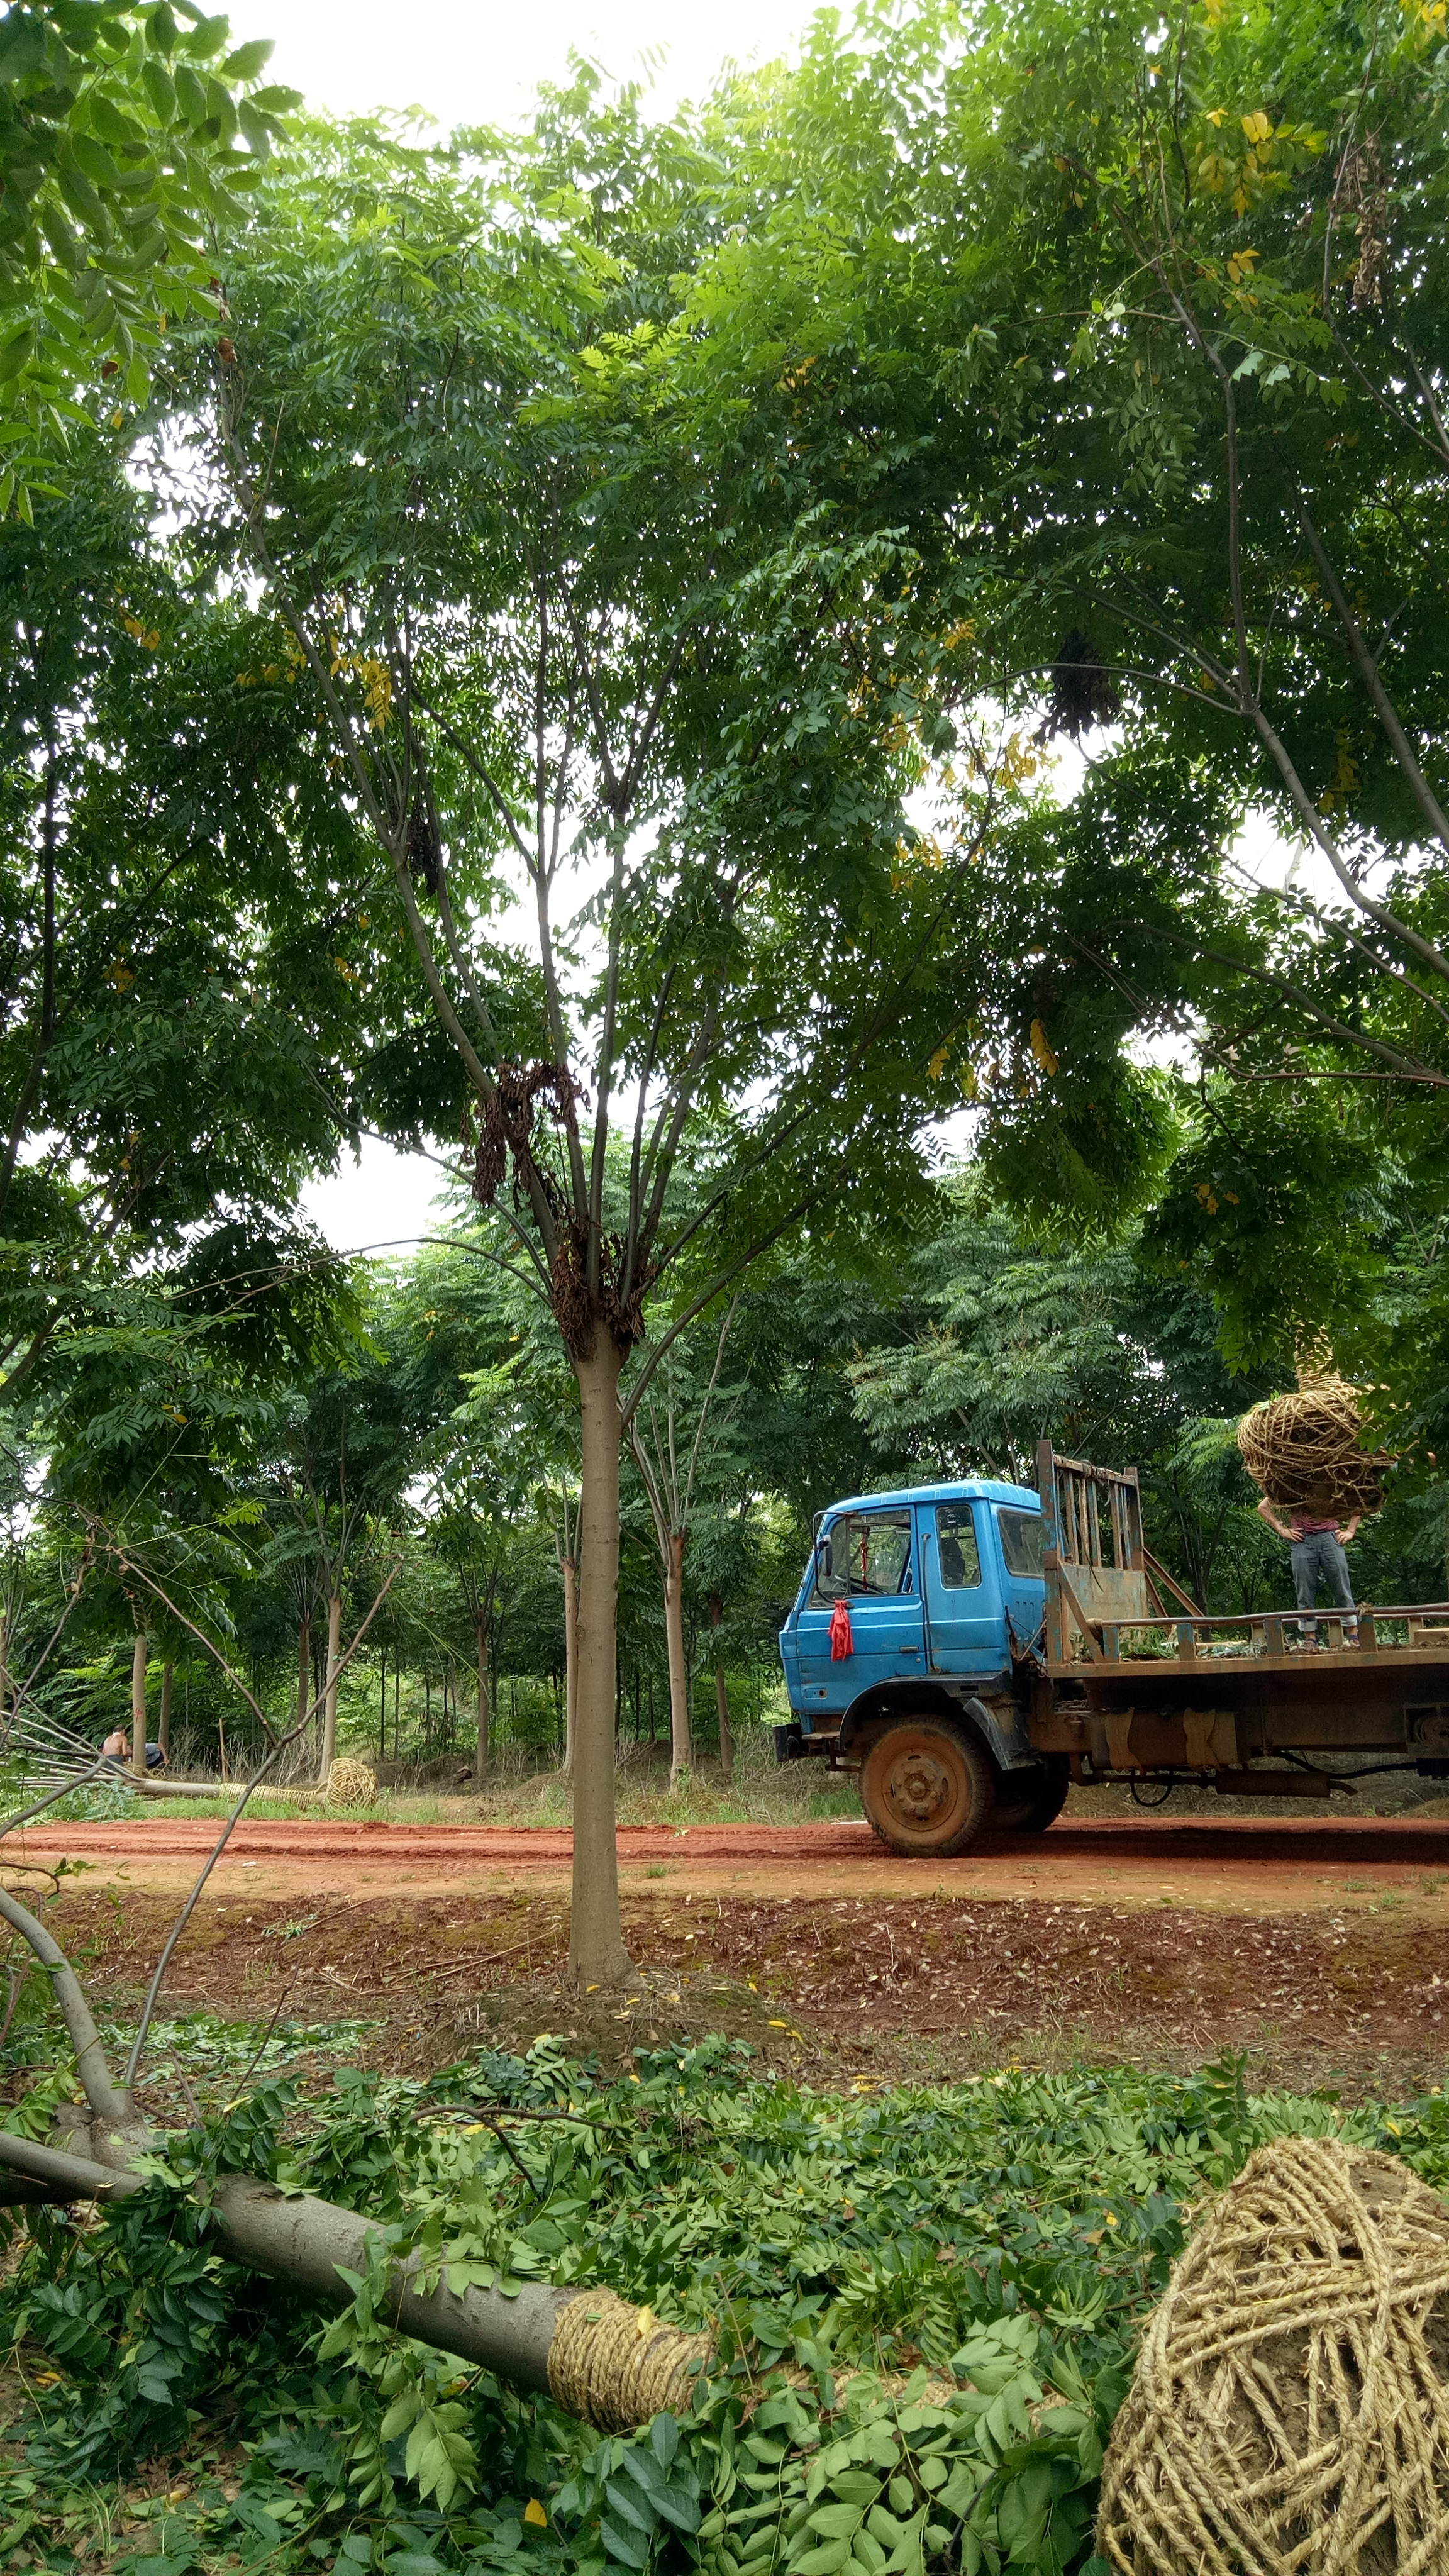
column 1317, row 1542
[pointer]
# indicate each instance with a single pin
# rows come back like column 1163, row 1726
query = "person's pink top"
column 1302, row 1527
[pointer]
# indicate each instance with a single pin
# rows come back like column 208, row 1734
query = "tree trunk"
column 304, row 1666
column 597, row 1955
column 571, row 1660
column 480, row 1759
column 4, row 1663
column 721, row 1695
column 329, row 1704
column 163, row 1723
column 680, row 1749
column 138, row 1705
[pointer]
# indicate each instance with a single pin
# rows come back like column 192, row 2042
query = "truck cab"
column 946, row 1599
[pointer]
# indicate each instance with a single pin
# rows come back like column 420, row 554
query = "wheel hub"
column 920, row 1786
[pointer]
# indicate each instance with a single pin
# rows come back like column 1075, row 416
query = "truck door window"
column 956, row 1548
column 865, row 1555
column 1021, row 1541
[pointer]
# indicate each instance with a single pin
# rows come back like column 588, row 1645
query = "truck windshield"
column 864, row 1554
column 956, row 1550
column 1021, row 1541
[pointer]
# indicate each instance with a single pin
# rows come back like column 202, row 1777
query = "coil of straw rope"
column 1305, row 1451
column 351, row 1784
column 1290, row 2407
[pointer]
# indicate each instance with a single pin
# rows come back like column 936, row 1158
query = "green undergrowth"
column 925, row 2301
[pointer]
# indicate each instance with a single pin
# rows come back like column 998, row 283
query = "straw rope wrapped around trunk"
column 1290, row 2409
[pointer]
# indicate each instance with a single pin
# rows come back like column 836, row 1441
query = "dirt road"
column 1321, row 1949
column 1250, row 1865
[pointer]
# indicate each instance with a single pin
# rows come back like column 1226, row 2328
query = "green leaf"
column 160, row 88
column 248, row 59
column 834, row 2520
column 624, row 2542
column 629, row 2504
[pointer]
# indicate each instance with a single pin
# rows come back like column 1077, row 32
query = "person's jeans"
column 1319, row 1558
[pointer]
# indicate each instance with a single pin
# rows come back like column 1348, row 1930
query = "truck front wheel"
column 926, row 1790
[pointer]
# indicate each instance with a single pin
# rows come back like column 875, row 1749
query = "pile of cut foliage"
column 924, row 2299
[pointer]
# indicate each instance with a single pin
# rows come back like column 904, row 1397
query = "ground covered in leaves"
column 924, row 2299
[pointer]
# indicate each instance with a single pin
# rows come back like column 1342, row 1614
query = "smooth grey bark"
column 301, row 2241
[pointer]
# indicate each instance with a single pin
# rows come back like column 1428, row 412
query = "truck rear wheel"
column 1028, row 1801
column 926, row 1790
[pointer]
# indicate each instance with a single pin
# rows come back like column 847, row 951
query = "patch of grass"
column 759, row 1792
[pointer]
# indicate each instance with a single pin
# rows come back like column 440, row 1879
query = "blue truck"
column 971, row 1648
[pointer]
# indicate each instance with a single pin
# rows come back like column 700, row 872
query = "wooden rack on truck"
column 1133, row 1679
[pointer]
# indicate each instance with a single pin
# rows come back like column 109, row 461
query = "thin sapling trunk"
column 138, row 1705
column 571, row 1661
column 480, row 1762
column 721, row 1695
column 680, row 1748
column 329, row 1704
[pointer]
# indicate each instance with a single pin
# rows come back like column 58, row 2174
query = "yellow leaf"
column 777, row 2025
column 1257, row 127
column 1215, row 115
column 1041, row 1048
column 533, row 2512
column 937, row 1065
column 644, row 2323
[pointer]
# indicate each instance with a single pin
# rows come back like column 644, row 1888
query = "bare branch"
column 279, row 1746
column 1368, row 671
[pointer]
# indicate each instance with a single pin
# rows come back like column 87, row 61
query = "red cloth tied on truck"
column 842, row 1643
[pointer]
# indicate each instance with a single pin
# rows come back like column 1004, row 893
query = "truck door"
column 963, row 1608
column 868, row 1559
column 1021, row 1536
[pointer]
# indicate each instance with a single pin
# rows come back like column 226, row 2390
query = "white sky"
column 479, row 62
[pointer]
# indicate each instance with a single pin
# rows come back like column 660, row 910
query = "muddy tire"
column 1037, row 1802
column 927, row 1790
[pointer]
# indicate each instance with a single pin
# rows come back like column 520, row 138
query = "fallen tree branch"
column 607, row 2361
column 109, row 2102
